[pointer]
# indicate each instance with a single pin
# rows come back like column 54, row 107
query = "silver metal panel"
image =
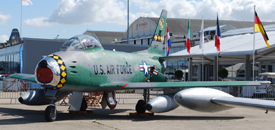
column 75, row 101
column 246, row 102
column 163, row 103
column 199, row 99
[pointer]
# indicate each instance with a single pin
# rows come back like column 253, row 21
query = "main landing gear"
column 141, row 104
column 140, row 107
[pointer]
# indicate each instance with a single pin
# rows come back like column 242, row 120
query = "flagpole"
column 217, row 60
column 253, row 46
column 202, row 33
column 21, row 21
column 166, row 43
column 218, row 66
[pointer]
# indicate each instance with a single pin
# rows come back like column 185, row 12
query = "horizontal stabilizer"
column 246, row 102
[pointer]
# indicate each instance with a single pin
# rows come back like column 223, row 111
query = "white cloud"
column 115, row 11
column 3, row 38
column 4, row 18
column 88, row 11
column 39, row 22
column 227, row 9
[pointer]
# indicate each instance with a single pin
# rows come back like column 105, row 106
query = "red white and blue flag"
column 217, row 35
column 168, row 41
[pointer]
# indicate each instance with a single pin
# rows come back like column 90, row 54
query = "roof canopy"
column 233, row 49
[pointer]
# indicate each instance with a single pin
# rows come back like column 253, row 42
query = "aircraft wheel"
column 50, row 114
column 140, row 107
column 83, row 105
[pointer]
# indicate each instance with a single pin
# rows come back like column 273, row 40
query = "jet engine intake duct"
column 51, row 71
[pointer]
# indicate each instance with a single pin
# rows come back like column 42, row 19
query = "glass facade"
column 10, row 60
column 173, row 65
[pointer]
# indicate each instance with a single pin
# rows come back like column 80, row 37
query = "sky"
column 67, row 18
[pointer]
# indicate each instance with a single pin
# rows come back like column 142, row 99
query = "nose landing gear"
column 50, row 113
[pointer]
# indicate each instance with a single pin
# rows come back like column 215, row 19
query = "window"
column 269, row 68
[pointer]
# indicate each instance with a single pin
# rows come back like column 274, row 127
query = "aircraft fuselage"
column 88, row 70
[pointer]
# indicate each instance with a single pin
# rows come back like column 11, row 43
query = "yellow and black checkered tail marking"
column 63, row 70
column 159, row 38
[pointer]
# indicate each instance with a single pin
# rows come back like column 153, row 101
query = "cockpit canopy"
column 80, row 42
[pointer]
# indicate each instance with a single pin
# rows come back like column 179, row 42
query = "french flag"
column 168, row 41
column 217, row 35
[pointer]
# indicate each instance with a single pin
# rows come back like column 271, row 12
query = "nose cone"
column 51, row 71
column 178, row 98
column 20, row 99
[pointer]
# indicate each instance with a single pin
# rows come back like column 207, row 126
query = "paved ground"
column 17, row 116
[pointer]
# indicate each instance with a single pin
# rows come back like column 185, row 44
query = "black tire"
column 49, row 114
column 83, row 105
column 140, row 107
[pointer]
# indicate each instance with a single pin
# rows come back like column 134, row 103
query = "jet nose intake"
column 51, row 71
column 44, row 73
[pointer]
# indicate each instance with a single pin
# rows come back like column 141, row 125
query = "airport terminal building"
column 22, row 54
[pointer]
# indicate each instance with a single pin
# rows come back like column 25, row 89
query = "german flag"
column 260, row 28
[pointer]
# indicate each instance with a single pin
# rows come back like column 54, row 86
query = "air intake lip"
column 43, row 64
column 51, row 71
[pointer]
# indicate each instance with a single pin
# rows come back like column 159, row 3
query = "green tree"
column 178, row 74
column 223, row 73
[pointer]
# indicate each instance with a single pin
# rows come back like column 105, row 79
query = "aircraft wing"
column 147, row 85
column 247, row 102
column 26, row 77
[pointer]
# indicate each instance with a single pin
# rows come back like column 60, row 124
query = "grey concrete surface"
column 17, row 116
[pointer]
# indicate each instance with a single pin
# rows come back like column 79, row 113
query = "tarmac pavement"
column 18, row 116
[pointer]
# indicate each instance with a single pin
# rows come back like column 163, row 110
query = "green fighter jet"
column 82, row 65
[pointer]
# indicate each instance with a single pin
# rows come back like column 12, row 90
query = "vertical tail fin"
column 156, row 45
